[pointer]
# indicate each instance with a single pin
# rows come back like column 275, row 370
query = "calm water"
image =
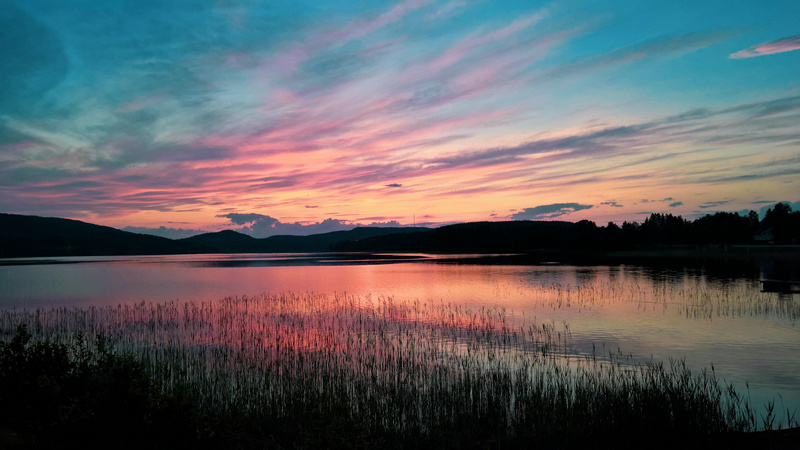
column 748, row 336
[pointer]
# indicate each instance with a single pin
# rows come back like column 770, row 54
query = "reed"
column 692, row 297
column 419, row 374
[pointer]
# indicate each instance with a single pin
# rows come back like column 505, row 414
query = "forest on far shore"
column 780, row 226
column 32, row 236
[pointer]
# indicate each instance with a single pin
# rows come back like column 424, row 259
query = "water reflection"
column 705, row 315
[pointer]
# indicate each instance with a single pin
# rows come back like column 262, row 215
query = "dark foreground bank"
column 86, row 395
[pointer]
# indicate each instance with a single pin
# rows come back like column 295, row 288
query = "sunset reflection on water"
column 747, row 335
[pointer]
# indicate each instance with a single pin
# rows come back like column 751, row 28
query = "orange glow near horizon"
column 443, row 111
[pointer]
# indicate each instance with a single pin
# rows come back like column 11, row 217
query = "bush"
column 87, row 397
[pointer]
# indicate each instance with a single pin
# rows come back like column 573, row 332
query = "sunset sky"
column 292, row 117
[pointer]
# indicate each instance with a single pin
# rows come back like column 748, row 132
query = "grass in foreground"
column 315, row 371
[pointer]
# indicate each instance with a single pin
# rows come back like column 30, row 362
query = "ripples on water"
column 636, row 313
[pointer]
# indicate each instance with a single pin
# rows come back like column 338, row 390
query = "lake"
column 749, row 337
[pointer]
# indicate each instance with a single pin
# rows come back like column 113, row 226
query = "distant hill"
column 234, row 242
column 222, row 242
column 32, row 236
column 475, row 237
column 328, row 241
column 28, row 236
column 42, row 236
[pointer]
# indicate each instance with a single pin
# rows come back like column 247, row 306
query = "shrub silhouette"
column 75, row 396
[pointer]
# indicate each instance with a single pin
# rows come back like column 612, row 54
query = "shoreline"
column 784, row 439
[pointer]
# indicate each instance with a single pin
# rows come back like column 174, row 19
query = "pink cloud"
column 289, row 59
column 283, row 97
column 358, row 29
column 380, row 47
column 461, row 49
column 21, row 146
column 136, row 105
column 769, row 48
column 447, row 10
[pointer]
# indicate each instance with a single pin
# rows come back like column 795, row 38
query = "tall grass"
column 692, row 297
column 418, row 374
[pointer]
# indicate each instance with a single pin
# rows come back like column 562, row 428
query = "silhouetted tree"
column 783, row 223
column 724, row 228
column 585, row 235
column 612, row 236
column 665, row 229
column 752, row 217
column 631, row 234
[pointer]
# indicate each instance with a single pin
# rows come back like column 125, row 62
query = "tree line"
column 780, row 225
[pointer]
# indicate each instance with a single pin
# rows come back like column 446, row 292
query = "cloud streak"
column 261, row 226
column 162, row 231
column 707, row 205
column 194, row 113
column 784, row 45
column 544, row 212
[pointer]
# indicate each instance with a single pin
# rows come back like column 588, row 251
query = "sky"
column 293, row 117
